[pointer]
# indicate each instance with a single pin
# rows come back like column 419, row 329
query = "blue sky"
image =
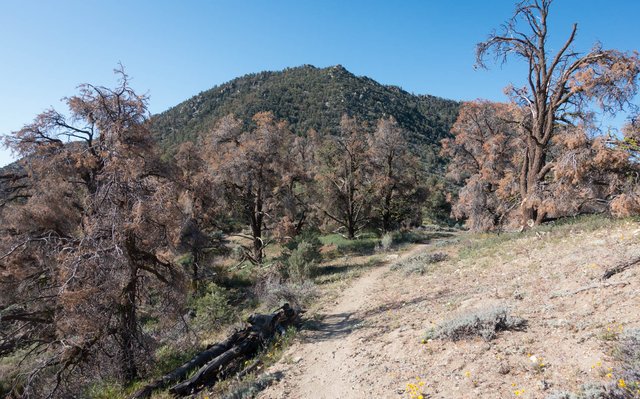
column 174, row 50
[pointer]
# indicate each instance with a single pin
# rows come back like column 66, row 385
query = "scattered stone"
column 504, row 368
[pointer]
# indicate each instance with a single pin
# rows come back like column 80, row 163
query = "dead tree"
column 560, row 89
column 219, row 358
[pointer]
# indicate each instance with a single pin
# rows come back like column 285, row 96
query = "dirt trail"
column 368, row 340
column 331, row 360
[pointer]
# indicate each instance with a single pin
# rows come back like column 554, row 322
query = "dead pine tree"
column 560, row 89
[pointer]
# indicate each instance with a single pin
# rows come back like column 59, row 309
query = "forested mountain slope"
column 308, row 98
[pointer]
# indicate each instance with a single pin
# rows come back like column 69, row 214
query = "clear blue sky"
column 176, row 49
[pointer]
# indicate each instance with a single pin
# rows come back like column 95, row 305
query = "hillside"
column 375, row 337
column 309, row 98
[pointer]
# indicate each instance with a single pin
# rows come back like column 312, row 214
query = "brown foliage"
column 92, row 240
column 255, row 172
column 344, row 185
column 484, row 156
column 395, row 176
column 560, row 89
column 583, row 174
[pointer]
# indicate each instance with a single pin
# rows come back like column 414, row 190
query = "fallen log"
column 212, row 362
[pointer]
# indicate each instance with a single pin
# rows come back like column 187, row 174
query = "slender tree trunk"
column 195, row 278
column 256, row 228
column 386, row 212
column 351, row 231
column 128, row 327
column 386, row 216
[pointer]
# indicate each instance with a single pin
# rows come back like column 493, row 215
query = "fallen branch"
column 215, row 359
column 590, row 287
column 620, row 268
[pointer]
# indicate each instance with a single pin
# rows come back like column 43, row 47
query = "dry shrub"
column 625, row 205
column 485, row 323
column 386, row 242
column 418, row 263
column 274, row 291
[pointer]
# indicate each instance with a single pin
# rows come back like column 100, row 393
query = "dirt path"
column 368, row 340
column 331, row 360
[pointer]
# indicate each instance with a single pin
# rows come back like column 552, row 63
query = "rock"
column 504, row 368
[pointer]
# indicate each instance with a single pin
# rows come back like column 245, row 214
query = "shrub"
column 212, row 308
column 250, row 388
column 363, row 245
column 303, row 261
column 274, row 292
column 483, row 323
column 627, row 374
column 589, row 391
column 418, row 263
column 386, row 242
column 626, row 377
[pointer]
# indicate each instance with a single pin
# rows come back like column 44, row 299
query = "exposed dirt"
column 368, row 342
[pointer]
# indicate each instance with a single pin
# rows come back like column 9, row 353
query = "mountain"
column 308, row 97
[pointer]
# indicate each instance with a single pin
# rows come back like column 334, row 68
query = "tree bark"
column 217, row 358
column 128, row 328
column 256, row 227
column 181, row 372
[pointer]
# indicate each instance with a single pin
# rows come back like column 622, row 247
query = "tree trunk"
column 351, row 231
column 257, row 218
column 386, row 216
column 195, row 272
column 386, row 212
column 181, row 372
column 220, row 358
column 128, row 328
column 533, row 163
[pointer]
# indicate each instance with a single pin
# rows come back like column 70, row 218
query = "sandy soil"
column 368, row 342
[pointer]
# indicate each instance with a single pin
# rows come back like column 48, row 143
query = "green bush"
column 303, row 261
column 213, row 308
